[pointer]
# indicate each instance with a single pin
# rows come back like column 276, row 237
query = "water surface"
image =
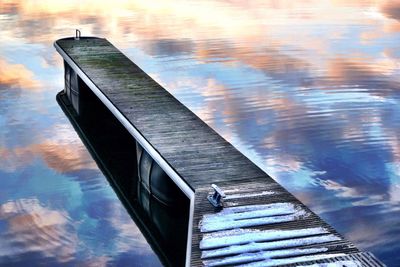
column 308, row 90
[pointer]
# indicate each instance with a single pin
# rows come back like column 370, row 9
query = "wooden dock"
column 261, row 223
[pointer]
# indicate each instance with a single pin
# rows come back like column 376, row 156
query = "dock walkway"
column 261, row 223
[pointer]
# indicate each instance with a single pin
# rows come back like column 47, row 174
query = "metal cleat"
column 216, row 199
column 77, row 34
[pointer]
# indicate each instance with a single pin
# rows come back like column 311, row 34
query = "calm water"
column 309, row 90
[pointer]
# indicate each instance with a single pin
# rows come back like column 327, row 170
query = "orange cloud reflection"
column 251, row 25
column 17, row 75
column 391, row 9
column 38, row 229
column 63, row 158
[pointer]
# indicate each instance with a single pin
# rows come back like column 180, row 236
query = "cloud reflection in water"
column 309, row 90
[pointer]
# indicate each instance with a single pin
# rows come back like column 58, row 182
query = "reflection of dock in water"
column 164, row 160
column 163, row 223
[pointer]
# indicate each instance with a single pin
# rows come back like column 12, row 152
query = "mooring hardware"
column 216, row 199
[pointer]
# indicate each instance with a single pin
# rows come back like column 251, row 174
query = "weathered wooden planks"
column 199, row 157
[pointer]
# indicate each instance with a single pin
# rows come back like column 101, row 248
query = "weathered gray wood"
column 195, row 151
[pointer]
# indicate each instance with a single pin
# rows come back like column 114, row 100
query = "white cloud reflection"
column 291, row 102
column 34, row 228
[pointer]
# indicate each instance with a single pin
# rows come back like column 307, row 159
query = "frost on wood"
column 251, row 215
column 231, row 237
column 243, row 236
column 238, row 196
column 281, row 244
column 263, row 255
column 277, row 262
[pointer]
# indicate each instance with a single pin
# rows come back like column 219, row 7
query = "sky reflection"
column 309, row 90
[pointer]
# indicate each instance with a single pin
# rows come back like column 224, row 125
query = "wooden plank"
column 256, row 193
column 200, row 157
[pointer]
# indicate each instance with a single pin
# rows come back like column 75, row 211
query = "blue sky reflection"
column 309, row 90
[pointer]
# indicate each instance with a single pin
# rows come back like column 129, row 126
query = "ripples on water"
column 309, row 90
